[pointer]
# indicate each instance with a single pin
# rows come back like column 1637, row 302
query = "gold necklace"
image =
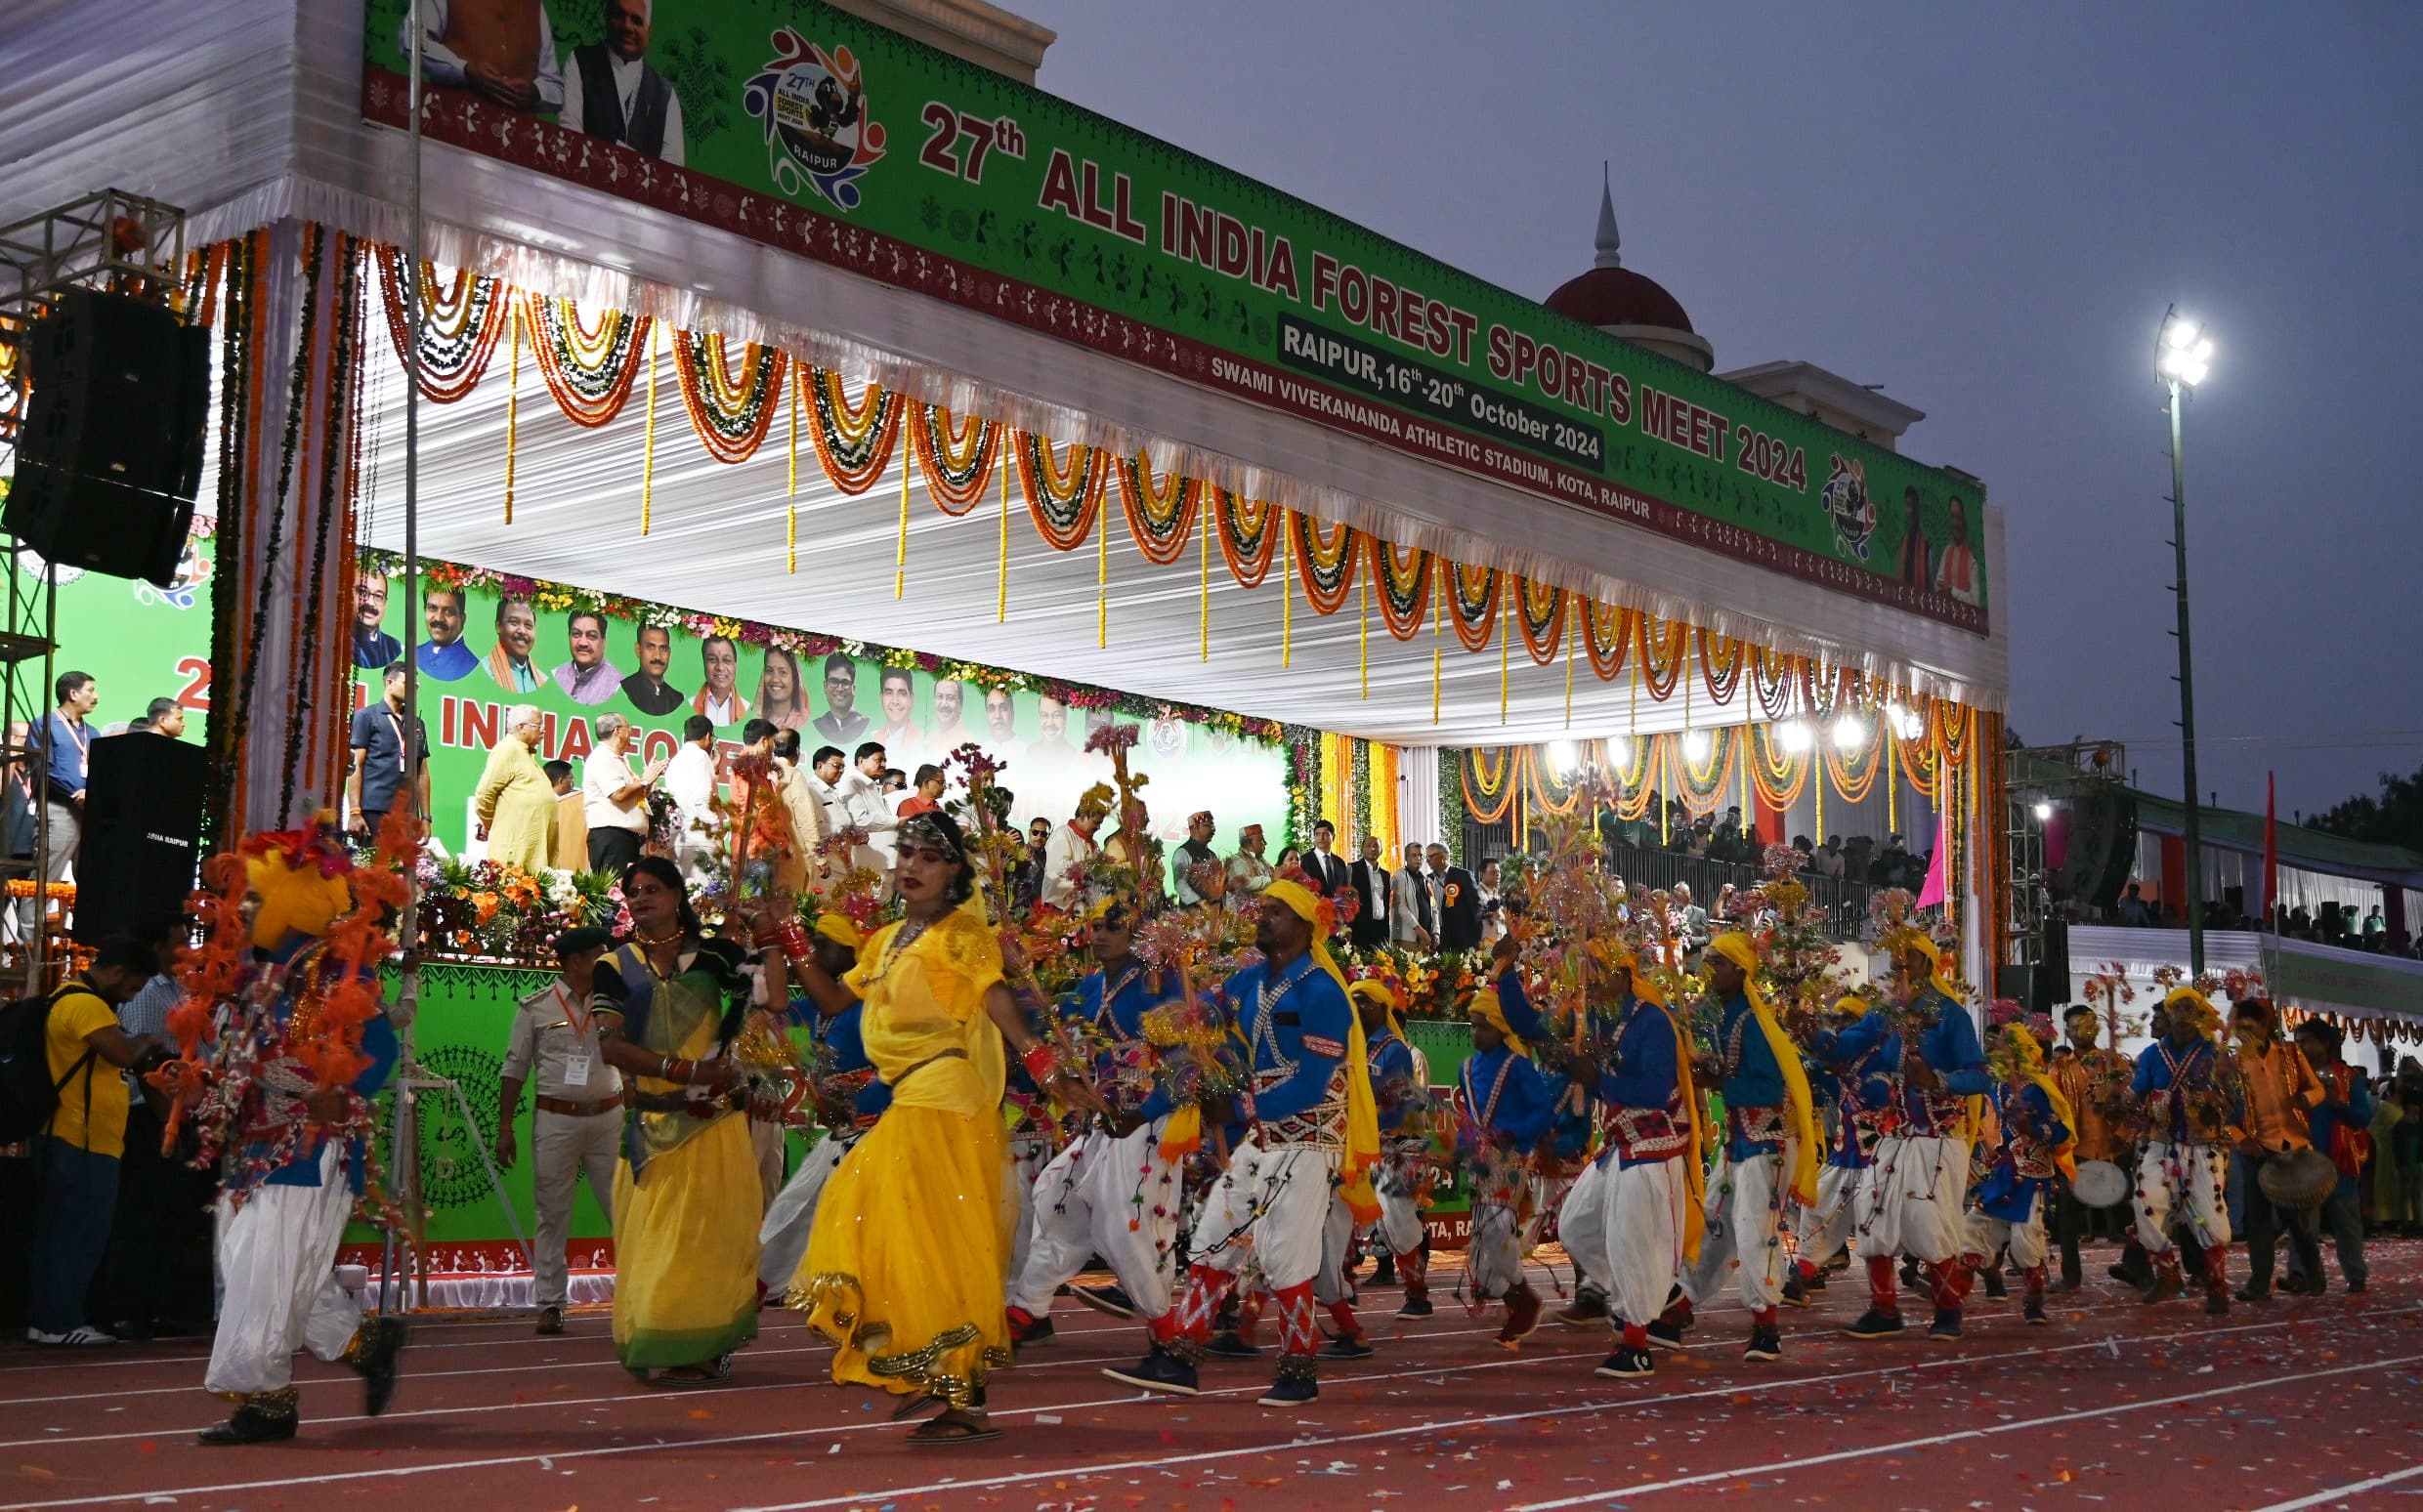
column 907, row 935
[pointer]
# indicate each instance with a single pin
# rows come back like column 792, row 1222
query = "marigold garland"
column 1160, row 514
column 1063, row 502
column 1721, row 662
column 1498, row 787
column 588, row 373
column 1325, row 560
column 1248, row 532
column 1606, row 638
column 1541, row 617
column 957, row 454
column 1660, row 670
column 1779, row 775
column 1404, row 578
column 1702, row 786
column 1473, row 598
column 855, row 443
column 460, row 321
column 1854, row 773
column 731, row 415
column 1771, row 678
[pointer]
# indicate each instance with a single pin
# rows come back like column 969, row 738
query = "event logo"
column 1847, row 505
column 819, row 134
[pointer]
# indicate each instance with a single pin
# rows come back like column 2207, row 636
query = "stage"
column 2286, row 1404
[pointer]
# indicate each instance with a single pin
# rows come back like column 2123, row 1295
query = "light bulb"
column 1560, row 757
column 2044, row 811
column 1696, row 744
column 1796, row 736
column 1849, row 733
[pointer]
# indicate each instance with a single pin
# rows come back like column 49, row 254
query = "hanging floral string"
column 1001, row 592
column 900, row 552
column 791, row 497
column 1773, row 675
column 1248, row 530
column 1102, row 582
column 1160, row 513
column 1404, row 579
column 1286, row 595
column 1505, row 667
column 1702, row 785
column 1779, row 775
column 648, row 450
column 1362, row 640
column 956, row 455
column 1325, row 560
column 513, row 405
column 460, row 321
column 1203, row 574
column 1853, row 772
column 731, row 415
column 588, row 372
column 854, row 443
column 1496, row 796
column 1438, row 615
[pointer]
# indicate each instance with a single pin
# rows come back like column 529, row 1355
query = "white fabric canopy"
column 245, row 111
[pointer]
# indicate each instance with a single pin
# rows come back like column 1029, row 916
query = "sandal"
column 954, row 1427
column 911, row 1406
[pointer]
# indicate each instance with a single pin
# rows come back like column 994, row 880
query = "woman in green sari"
column 687, row 1197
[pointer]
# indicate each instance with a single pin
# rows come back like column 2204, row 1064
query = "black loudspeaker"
column 2102, row 846
column 143, row 822
column 111, row 453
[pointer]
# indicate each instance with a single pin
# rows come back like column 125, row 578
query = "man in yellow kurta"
column 514, row 801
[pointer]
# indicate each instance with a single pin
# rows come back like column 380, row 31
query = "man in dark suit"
column 1324, row 866
column 1370, row 881
column 1458, row 904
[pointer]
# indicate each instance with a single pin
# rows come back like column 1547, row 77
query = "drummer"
column 2095, row 1080
column 2282, row 1093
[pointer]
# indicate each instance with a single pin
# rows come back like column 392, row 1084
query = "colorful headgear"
column 1487, row 1009
column 1253, row 831
column 300, row 894
column 1095, row 801
column 1799, row 1108
column 836, row 926
column 933, row 830
column 1362, row 1109
column 1387, row 992
column 1917, row 940
column 2027, row 1062
column 1854, row 1004
column 1622, row 956
column 1115, row 911
column 1199, row 816
column 2195, row 1008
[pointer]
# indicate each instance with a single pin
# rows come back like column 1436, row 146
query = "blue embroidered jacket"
column 1506, row 1097
column 2160, row 1071
column 2022, row 1169
column 1641, row 1086
column 1391, row 1060
column 1864, row 1090
column 1754, row 1083
column 1295, row 1032
column 301, row 1164
column 1950, row 1049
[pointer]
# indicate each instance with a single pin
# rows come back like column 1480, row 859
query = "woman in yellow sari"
column 687, row 1197
column 904, row 1267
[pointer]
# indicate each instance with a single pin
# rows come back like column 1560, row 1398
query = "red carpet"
column 2286, row 1404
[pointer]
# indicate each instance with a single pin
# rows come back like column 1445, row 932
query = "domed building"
column 1629, row 305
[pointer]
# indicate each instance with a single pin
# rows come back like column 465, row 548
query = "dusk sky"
column 1983, row 210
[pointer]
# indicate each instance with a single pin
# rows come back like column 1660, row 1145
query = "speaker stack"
column 143, row 822
column 110, row 455
column 2102, row 846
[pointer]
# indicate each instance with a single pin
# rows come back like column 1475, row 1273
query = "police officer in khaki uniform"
column 575, row 1126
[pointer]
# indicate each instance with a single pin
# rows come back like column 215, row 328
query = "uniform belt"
column 571, row 1108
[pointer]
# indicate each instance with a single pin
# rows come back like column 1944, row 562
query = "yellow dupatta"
column 2031, row 1068
column 1973, row 1109
column 1800, row 1109
column 1695, row 1164
column 1362, row 1108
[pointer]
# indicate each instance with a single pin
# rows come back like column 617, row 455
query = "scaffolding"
column 123, row 244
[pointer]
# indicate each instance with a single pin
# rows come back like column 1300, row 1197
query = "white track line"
column 1962, row 1436
column 1065, row 1472
column 1599, row 1404
column 2343, row 1493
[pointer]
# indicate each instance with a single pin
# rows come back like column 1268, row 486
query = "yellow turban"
column 2197, row 1007
column 836, row 927
column 1799, row 1108
column 1486, row 1009
column 1619, row 955
column 1362, row 1108
column 294, row 899
column 1854, row 1004
column 1916, row 939
column 2030, row 1063
column 1387, row 995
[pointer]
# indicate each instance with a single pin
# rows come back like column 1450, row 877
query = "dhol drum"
column 2100, row 1184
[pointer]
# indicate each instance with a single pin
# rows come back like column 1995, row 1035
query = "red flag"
column 2271, row 849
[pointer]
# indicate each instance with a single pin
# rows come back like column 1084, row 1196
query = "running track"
column 2285, row 1405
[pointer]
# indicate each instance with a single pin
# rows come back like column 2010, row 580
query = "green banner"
column 800, row 127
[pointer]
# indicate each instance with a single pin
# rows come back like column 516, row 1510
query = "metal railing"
column 1844, row 901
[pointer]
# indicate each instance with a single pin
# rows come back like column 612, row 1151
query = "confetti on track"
column 2289, row 1404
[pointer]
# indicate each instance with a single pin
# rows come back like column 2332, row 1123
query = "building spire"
column 1610, row 241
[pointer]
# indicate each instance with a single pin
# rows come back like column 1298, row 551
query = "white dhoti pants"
column 1640, row 1223
column 561, row 1147
column 277, row 1256
column 1913, row 1201
column 2171, row 1177
column 1329, row 1284
column 1117, row 1198
column 2027, row 1238
column 1548, row 1196
column 1027, row 1154
column 1270, row 1207
column 783, row 1238
column 1744, row 1232
column 1582, row 1225
column 1825, row 1229
column 1400, row 1204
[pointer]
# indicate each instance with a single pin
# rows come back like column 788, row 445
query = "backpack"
column 28, row 1097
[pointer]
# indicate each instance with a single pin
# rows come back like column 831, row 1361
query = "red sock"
column 1884, row 1288
column 1951, row 1280
column 1204, row 1285
column 1635, row 1335
column 1165, row 1328
column 1343, row 1315
column 1249, row 1314
column 1808, row 1271
column 1763, row 1316
column 2035, row 1279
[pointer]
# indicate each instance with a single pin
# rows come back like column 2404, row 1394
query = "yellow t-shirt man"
column 77, row 1013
